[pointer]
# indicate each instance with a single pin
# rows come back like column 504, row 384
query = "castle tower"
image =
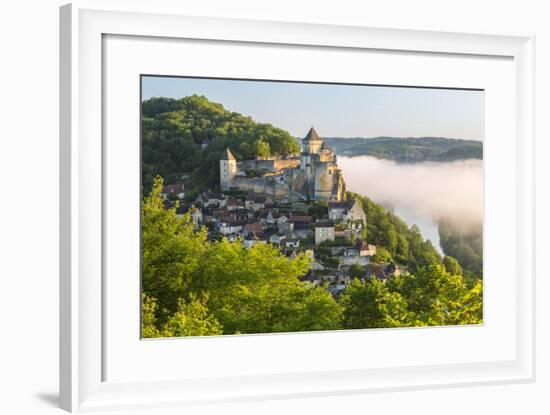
column 311, row 144
column 228, row 169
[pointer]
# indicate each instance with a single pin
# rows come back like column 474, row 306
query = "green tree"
column 382, row 255
column 192, row 319
column 452, row 266
column 438, row 298
column 261, row 148
column 430, row 297
column 356, row 271
column 369, row 304
column 261, row 292
column 148, row 318
column 464, row 242
column 170, row 252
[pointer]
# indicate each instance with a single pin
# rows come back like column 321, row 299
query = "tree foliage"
column 431, row 297
column 464, row 242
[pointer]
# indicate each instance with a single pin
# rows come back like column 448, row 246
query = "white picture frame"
column 84, row 26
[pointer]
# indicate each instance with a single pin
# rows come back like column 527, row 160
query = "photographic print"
column 278, row 206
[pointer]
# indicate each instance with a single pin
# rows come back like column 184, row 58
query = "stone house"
column 234, row 204
column 255, row 228
column 347, row 211
column 209, row 199
column 285, row 227
column 324, row 231
column 257, row 202
column 229, row 226
column 177, row 190
column 301, row 224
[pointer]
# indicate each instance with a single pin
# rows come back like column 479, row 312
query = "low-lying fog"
column 420, row 193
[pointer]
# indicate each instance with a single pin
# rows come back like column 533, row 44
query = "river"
column 419, row 193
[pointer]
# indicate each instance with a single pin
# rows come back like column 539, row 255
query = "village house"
column 208, row 199
column 269, row 216
column 359, row 249
column 242, row 214
column 207, row 215
column 254, row 228
column 359, row 253
column 324, row 231
column 194, row 213
column 301, row 225
column 221, row 215
column 230, row 226
column 284, row 226
column 312, row 279
column 196, row 216
column 257, row 202
column 253, row 239
column 173, row 190
column 234, row 204
column 347, row 211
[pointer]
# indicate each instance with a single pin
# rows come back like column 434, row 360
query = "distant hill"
column 408, row 150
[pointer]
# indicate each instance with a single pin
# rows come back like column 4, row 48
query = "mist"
column 430, row 190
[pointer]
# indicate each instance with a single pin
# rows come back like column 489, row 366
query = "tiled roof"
column 254, row 227
column 173, row 188
column 376, row 270
column 234, row 202
column 324, row 224
column 300, row 218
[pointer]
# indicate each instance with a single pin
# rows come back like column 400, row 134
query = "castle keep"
column 314, row 174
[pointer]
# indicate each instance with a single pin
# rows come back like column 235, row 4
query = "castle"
column 314, row 174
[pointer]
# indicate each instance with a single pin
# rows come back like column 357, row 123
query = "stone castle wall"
column 273, row 165
column 262, row 185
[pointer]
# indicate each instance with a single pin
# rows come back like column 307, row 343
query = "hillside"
column 408, row 150
column 173, row 131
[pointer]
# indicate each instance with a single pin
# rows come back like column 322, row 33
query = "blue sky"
column 338, row 110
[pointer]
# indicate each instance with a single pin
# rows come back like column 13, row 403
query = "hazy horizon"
column 338, row 110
